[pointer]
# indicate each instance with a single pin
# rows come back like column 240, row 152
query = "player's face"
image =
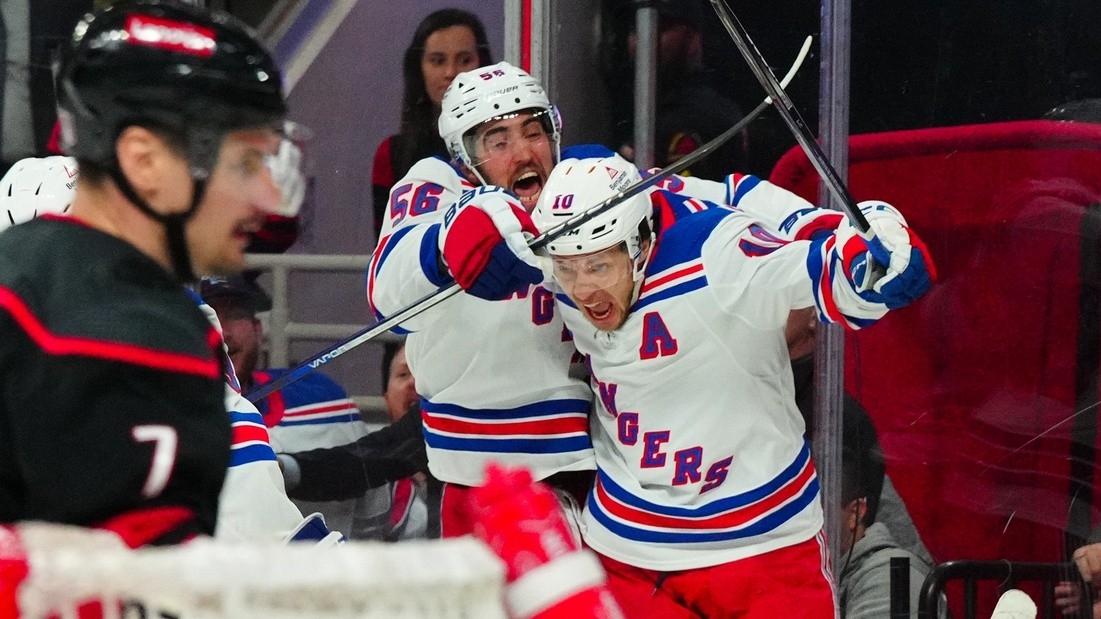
column 599, row 284
column 401, row 390
column 447, row 52
column 242, row 333
column 238, row 195
column 514, row 152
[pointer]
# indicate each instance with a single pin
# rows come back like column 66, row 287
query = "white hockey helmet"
column 488, row 93
column 35, row 186
column 574, row 186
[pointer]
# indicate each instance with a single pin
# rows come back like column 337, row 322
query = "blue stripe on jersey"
column 313, row 388
column 250, row 417
column 674, row 291
column 527, row 411
column 390, row 245
column 249, row 454
column 586, row 151
column 674, row 206
column 815, row 266
column 760, row 527
column 683, row 241
column 194, row 296
column 715, row 507
column 395, row 329
column 429, row 255
column 861, row 323
column 747, row 184
column 508, row 445
column 323, row 421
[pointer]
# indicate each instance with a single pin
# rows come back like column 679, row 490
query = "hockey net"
column 458, row 578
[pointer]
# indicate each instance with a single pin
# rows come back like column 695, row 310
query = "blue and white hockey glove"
column 893, row 269
column 484, row 244
column 313, row 529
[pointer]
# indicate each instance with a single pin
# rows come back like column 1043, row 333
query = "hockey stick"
column 438, row 296
column 791, row 116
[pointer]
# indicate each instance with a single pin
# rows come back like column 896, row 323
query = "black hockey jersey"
column 110, row 387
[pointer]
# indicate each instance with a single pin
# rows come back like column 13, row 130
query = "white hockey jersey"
column 253, row 505
column 494, row 376
column 314, row 413
column 699, row 445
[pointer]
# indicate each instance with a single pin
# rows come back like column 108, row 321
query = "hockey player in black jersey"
column 111, row 409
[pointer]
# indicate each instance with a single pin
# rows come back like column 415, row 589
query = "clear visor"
column 600, row 283
column 501, row 136
column 288, row 168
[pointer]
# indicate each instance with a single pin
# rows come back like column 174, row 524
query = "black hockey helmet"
column 166, row 65
column 193, row 74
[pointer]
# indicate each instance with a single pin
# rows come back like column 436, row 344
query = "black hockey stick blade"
column 439, row 296
column 791, row 116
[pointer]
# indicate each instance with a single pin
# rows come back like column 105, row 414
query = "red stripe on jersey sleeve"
column 54, row 344
column 650, row 285
column 145, row 526
column 245, row 433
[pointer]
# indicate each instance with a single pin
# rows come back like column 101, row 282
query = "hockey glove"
column 549, row 574
column 894, row 268
column 313, row 529
column 484, row 245
column 14, row 568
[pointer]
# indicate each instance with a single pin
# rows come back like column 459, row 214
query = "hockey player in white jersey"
column 703, row 474
column 493, row 376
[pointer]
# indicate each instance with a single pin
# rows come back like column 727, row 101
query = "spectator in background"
column 311, row 413
column 388, row 465
column 446, row 43
column 690, row 109
column 398, row 387
column 867, row 546
column 408, row 511
column 801, row 331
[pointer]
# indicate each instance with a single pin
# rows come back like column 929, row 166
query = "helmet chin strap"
column 474, row 170
column 640, row 264
column 173, row 224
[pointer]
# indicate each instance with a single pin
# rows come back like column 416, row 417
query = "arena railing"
column 997, row 577
column 281, row 330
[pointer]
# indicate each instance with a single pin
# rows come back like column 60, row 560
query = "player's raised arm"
column 761, row 275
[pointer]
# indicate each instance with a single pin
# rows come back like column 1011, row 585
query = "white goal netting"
column 445, row 579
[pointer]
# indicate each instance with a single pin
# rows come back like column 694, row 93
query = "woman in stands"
column 446, row 43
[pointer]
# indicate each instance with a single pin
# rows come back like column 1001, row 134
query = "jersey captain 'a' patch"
column 657, row 340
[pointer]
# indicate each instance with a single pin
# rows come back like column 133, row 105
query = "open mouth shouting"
column 527, row 186
column 604, row 313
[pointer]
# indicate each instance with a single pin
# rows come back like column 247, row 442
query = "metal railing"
column 281, row 330
column 1002, row 575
